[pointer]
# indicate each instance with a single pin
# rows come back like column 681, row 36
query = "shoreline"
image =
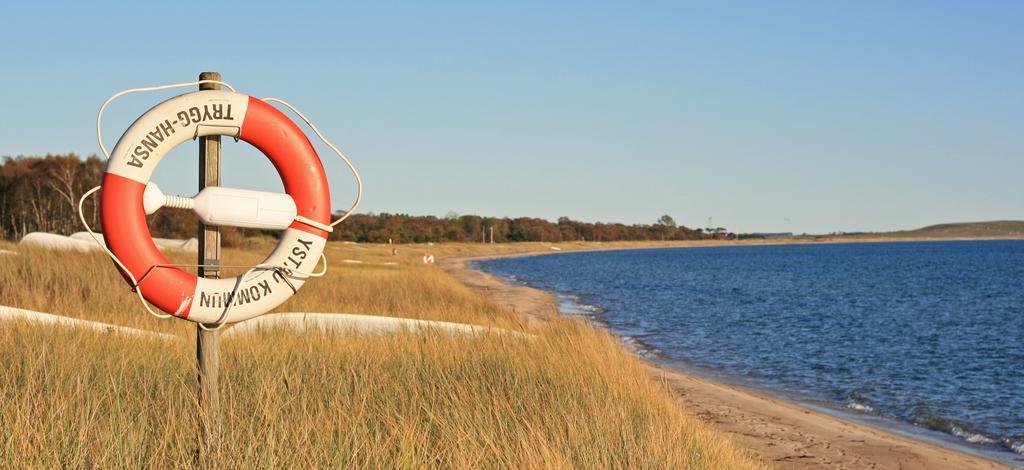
column 777, row 430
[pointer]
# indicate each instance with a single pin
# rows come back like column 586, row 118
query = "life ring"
column 428, row 258
column 209, row 113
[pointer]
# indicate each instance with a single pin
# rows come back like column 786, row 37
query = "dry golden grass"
column 570, row 398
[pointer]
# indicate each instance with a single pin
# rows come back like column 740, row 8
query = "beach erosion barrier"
column 49, row 319
column 52, row 241
column 340, row 323
column 361, row 324
column 188, row 244
column 82, row 241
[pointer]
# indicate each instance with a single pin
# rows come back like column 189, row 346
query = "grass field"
column 569, row 398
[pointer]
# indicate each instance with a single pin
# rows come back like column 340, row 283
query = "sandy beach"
column 779, row 432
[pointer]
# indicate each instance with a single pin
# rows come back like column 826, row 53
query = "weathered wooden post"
column 208, row 342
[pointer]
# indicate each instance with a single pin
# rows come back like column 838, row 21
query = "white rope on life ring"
column 208, row 113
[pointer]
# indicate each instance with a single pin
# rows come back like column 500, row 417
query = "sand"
column 784, row 434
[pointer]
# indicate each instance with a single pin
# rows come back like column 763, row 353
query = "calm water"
column 930, row 334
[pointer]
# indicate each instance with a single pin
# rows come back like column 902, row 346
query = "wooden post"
column 208, row 342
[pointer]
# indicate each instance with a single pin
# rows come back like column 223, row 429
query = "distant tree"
column 667, row 221
column 404, row 228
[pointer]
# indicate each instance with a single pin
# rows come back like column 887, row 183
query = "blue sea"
column 925, row 336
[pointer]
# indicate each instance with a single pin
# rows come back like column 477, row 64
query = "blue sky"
column 768, row 116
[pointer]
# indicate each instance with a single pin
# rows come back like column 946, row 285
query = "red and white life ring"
column 428, row 258
column 207, row 113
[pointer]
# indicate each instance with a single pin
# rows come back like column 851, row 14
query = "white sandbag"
column 347, row 322
column 84, row 236
column 190, row 244
column 49, row 319
column 52, row 241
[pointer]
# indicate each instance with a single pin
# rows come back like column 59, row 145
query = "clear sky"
column 804, row 116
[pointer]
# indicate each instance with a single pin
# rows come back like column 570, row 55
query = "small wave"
column 1016, row 446
column 860, row 407
column 959, row 429
column 641, row 348
column 857, row 401
column 972, row 437
column 590, row 309
column 573, row 305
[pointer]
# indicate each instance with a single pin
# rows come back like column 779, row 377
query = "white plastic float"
column 340, row 323
column 190, row 244
column 81, row 241
column 366, row 324
column 11, row 313
column 52, row 241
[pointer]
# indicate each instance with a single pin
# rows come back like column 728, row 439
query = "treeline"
column 379, row 228
column 40, row 194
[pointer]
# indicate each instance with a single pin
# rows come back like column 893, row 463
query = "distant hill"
column 994, row 229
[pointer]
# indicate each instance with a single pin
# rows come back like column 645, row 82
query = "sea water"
column 928, row 334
